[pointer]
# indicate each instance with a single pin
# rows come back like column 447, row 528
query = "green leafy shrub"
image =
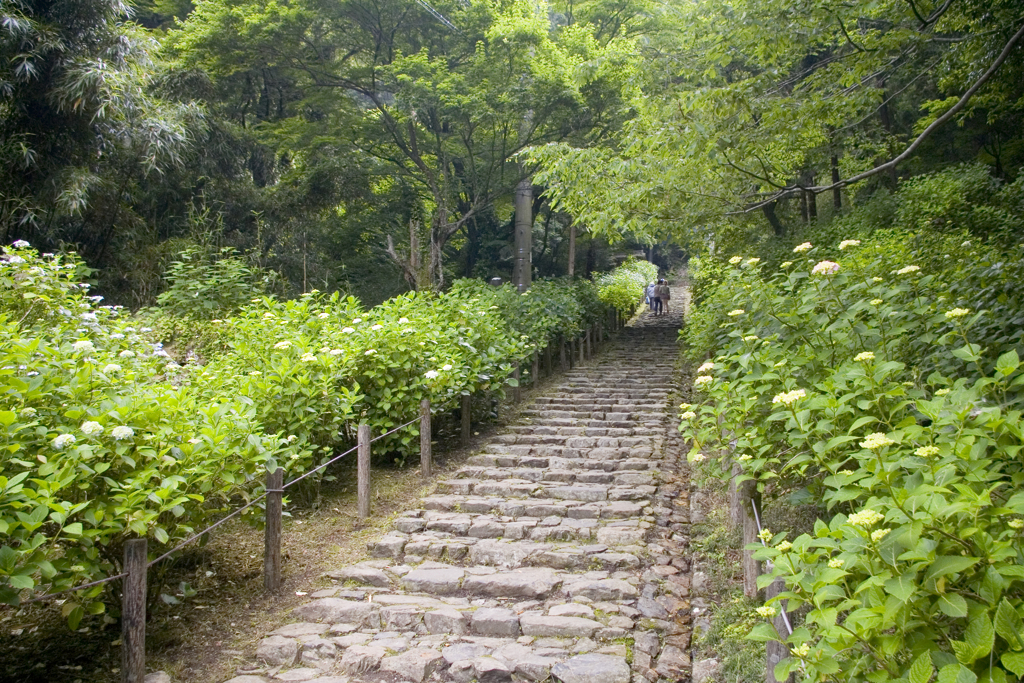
column 856, row 385
column 205, row 283
column 623, row 288
column 103, row 437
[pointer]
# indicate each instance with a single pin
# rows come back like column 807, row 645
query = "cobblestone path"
column 556, row 552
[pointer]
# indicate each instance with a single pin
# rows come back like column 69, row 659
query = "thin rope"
column 76, row 588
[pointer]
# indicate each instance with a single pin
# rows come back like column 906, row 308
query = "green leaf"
column 952, row 605
column 901, row 587
column 1008, row 362
column 949, row 564
column 762, row 633
column 921, row 670
column 956, row 673
column 1014, row 661
column 1009, row 625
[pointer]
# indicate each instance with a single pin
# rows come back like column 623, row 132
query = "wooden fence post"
column 272, row 531
column 517, row 392
column 133, row 614
column 583, row 344
column 590, row 351
column 775, row 651
column 467, row 406
column 535, row 369
column 363, row 476
column 548, row 365
column 425, row 438
column 561, row 353
column 572, row 353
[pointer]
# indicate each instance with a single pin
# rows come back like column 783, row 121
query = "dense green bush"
column 102, row 438
column 855, row 384
column 623, row 288
column 204, row 283
column 106, row 437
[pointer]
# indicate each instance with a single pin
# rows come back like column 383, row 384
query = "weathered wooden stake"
column 467, row 406
column 548, row 365
column 517, row 391
column 561, row 353
column 535, row 369
column 272, row 531
column 133, row 612
column 774, row 650
column 583, row 347
column 572, row 353
column 590, row 351
column 425, row 438
column 363, row 439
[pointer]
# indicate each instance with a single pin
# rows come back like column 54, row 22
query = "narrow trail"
column 559, row 550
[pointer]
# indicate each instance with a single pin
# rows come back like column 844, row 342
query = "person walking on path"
column 649, row 293
column 656, row 298
column 662, row 295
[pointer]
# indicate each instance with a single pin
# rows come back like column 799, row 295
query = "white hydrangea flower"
column 753, row 261
column 788, row 398
column 864, row 356
column 865, row 518
column 446, row 367
column 377, row 327
column 83, row 345
column 878, row 534
column 848, row 243
column 282, row 344
column 356, row 320
column 348, row 330
column 336, row 352
column 63, row 441
column 825, row 268
column 28, row 412
column 906, row 270
column 91, row 428
column 703, row 381
column 706, row 367
column 111, row 369
column 927, row 451
column 195, row 440
column 688, row 415
column 875, row 441
column 308, row 357
column 369, row 352
column 127, row 354
column 431, row 374
column 835, row 563
column 766, row 611
column 735, row 312
column 402, row 321
column 956, row 313
column 802, row 247
column 324, row 316
column 735, row 259
column 122, row 432
column 20, row 244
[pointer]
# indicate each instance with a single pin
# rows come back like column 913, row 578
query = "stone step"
column 501, row 457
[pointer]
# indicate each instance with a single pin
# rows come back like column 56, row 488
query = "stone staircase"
column 557, row 552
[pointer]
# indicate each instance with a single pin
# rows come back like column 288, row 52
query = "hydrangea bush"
column 851, row 384
column 106, row 437
column 623, row 288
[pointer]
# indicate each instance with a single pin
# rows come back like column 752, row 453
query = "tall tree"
column 437, row 104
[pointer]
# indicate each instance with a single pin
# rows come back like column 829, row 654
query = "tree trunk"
column 769, row 212
column 572, row 250
column 837, row 193
column 523, row 267
column 812, row 201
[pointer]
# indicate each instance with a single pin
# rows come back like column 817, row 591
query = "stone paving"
column 557, row 552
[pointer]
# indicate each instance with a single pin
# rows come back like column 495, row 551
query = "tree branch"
column 961, row 103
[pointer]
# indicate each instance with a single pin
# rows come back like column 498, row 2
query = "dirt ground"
column 215, row 611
